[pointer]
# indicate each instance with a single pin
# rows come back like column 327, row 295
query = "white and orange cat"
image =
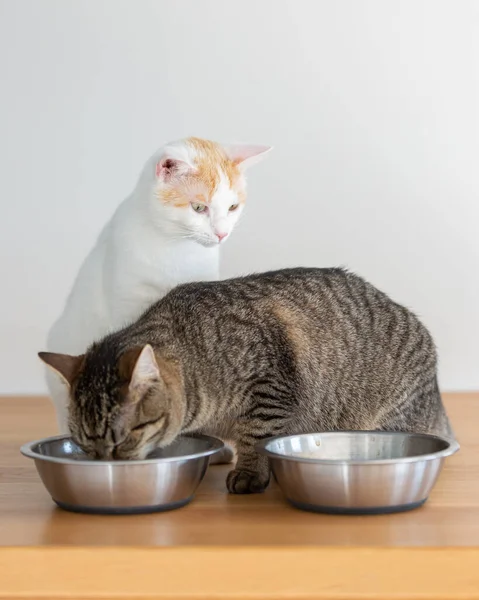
column 186, row 203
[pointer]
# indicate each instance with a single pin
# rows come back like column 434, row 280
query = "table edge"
column 255, row 572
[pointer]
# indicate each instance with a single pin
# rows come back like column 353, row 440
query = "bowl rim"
column 27, row 450
column 452, row 448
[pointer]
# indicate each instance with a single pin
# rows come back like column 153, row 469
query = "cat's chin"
column 208, row 243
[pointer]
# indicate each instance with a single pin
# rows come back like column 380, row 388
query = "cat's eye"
column 198, row 207
column 233, row 207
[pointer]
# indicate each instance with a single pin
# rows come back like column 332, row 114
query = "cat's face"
column 200, row 188
column 121, row 409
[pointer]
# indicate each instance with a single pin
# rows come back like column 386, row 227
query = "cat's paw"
column 245, row 482
column 223, row 457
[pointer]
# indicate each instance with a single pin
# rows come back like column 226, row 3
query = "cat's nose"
column 221, row 236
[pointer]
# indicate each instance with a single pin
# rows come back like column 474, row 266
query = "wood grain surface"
column 223, row 546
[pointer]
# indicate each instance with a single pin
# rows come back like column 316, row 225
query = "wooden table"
column 223, row 546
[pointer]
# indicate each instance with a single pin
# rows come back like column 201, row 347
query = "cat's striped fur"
column 283, row 352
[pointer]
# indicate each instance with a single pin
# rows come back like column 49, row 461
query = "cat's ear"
column 145, row 373
column 65, row 366
column 246, row 155
column 168, row 168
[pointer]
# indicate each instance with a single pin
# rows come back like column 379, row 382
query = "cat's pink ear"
column 65, row 366
column 246, row 155
column 169, row 168
column 145, row 373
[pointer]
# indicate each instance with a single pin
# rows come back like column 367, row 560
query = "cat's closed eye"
column 233, row 207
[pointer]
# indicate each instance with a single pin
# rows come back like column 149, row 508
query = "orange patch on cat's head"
column 174, row 196
column 210, row 161
column 211, row 164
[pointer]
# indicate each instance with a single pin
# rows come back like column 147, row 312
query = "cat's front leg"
column 252, row 472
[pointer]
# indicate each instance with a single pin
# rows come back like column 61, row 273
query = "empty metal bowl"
column 357, row 472
column 167, row 479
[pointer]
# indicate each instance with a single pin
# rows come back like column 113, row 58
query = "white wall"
column 372, row 106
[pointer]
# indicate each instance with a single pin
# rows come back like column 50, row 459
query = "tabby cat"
column 284, row 352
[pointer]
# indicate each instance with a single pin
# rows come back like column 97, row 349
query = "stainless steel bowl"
column 357, row 472
column 167, row 479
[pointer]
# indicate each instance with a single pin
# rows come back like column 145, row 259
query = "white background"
column 372, row 106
